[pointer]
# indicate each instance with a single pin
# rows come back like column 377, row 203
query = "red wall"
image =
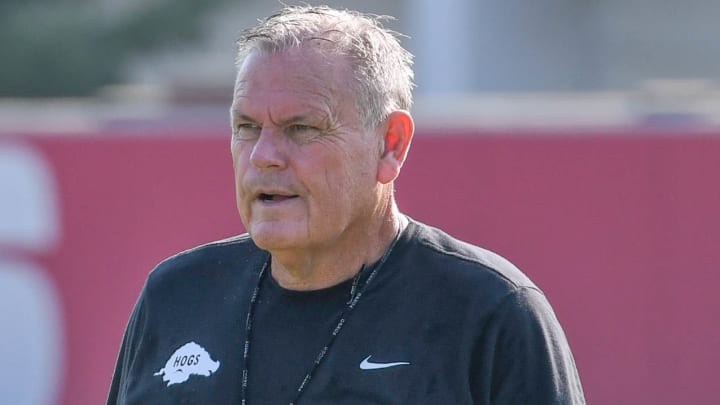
column 621, row 233
column 620, row 230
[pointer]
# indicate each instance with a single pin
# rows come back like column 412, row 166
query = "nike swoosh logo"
column 368, row 365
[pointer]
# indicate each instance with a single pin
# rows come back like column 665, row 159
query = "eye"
column 246, row 131
column 301, row 128
column 302, row 133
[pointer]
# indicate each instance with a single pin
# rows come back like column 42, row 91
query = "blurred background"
column 578, row 138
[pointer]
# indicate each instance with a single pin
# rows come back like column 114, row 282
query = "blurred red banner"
column 619, row 230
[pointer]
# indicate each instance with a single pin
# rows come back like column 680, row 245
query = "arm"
column 133, row 332
column 523, row 356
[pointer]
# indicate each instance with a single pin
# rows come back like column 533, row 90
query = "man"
column 334, row 296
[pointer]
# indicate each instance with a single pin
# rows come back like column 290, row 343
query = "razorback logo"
column 190, row 359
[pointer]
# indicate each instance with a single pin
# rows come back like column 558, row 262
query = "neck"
column 326, row 267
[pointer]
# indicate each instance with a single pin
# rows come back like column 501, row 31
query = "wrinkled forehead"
column 298, row 76
column 297, row 69
column 297, row 66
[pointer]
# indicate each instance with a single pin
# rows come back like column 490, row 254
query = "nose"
column 269, row 150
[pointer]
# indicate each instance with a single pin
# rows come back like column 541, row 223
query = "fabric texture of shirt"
column 443, row 322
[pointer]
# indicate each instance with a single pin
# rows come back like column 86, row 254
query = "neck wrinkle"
column 327, row 268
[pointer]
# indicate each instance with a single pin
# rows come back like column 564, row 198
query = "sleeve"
column 133, row 334
column 523, row 356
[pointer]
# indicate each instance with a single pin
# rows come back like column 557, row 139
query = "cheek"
column 240, row 158
column 346, row 183
column 326, row 184
column 240, row 162
column 235, row 153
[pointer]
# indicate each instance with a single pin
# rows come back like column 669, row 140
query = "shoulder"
column 210, row 260
column 463, row 259
column 489, row 302
column 476, row 276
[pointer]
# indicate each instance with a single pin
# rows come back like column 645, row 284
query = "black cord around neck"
column 356, row 292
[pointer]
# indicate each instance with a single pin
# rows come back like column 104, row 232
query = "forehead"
column 297, row 75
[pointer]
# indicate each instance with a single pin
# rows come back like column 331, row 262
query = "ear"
column 399, row 129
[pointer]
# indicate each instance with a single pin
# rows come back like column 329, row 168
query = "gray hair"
column 382, row 68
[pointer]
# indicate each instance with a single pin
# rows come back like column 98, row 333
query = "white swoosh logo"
column 368, row 365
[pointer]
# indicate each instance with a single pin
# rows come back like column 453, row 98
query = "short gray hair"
column 381, row 66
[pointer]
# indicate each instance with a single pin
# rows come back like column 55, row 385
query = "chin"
column 276, row 237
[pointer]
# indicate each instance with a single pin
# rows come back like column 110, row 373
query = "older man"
column 333, row 296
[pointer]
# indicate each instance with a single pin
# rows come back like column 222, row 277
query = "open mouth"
column 275, row 197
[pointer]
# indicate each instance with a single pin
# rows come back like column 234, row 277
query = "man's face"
column 305, row 166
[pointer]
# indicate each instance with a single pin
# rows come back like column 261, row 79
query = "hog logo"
column 190, row 359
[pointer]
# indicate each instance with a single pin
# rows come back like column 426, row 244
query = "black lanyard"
column 355, row 295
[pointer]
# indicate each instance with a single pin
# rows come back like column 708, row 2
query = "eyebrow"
column 239, row 117
column 310, row 115
column 297, row 118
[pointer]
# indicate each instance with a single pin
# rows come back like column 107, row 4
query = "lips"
column 269, row 197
